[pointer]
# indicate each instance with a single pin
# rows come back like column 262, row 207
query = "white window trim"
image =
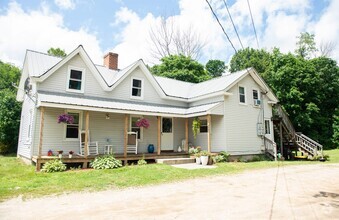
column 259, row 98
column 80, row 125
column 83, row 79
column 29, row 130
column 141, row 128
column 242, row 103
column 269, row 122
column 142, row 88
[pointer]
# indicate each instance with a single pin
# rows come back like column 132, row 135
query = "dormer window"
column 137, row 88
column 75, row 79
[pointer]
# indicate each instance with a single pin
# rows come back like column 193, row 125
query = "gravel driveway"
column 293, row 192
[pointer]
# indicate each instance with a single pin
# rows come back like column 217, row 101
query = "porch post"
column 125, row 136
column 186, row 135
column 159, row 135
column 86, row 134
column 281, row 138
column 42, row 119
column 209, row 125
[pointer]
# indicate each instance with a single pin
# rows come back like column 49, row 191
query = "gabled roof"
column 40, row 66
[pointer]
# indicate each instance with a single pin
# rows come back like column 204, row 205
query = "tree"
column 9, row 108
column 335, row 126
column 56, row 52
column 167, row 38
column 326, row 48
column 249, row 57
column 215, row 68
column 305, row 45
column 181, row 68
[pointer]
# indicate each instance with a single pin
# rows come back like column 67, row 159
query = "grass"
column 17, row 178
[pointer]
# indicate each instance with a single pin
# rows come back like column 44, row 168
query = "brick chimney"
column 111, row 61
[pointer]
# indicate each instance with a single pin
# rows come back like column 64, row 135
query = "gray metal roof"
column 187, row 90
column 125, row 106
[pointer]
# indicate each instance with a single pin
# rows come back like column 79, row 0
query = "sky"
column 123, row 26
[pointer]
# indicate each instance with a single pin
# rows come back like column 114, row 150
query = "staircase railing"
column 286, row 121
column 308, row 144
column 270, row 147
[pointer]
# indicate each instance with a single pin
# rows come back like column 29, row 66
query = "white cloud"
column 277, row 23
column 65, row 4
column 39, row 30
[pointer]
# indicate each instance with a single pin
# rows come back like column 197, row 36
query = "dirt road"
column 293, row 192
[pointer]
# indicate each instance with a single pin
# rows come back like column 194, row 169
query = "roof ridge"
column 51, row 55
column 174, row 79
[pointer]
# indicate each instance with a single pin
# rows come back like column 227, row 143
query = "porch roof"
column 115, row 106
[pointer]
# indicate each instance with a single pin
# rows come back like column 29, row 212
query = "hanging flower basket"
column 143, row 122
column 65, row 118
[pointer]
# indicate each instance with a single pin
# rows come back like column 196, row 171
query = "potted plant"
column 204, row 157
column 196, row 126
column 143, row 122
column 197, row 158
column 70, row 154
column 50, row 153
column 60, row 153
column 65, row 118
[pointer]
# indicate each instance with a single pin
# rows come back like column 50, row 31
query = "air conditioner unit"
column 257, row 102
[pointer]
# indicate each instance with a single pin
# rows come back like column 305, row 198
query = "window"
column 242, row 94
column 72, row 130
column 255, row 94
column 267, row 127
column 137, row 85
column 203, row 126
column 29, row 125
column 75, row 80
column 134, row 127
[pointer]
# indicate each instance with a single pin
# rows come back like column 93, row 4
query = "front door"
column 167, row 134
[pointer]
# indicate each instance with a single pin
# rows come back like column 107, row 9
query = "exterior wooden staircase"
column 290, row 139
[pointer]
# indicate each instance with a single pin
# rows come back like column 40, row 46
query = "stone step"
column 172, row 161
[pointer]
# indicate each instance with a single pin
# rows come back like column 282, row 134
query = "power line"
column 216, row 17
column 255, row 32
column 235, row 29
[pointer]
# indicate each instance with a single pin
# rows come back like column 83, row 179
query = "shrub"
column 53, row 166
column 142, row 162
column 222, row 157
column 106, row 162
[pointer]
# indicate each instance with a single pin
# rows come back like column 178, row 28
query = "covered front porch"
column 110, row 127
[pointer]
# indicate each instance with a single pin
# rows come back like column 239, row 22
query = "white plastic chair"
column 132, row 142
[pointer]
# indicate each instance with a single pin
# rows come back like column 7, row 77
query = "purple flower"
column 143, row 122
column 65, row 118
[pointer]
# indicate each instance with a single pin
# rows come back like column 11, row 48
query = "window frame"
column 141, row 128
column 83, row 74
column 203, row 119
column 242, row 103
column 142, row 88
column 267, row 128
column 29, row 129
column 79, row 125
column 258, row 93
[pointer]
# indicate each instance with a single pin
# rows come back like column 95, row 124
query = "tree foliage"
column 307, row 89
column 56, row 52
column 305, row 45
column 249, row 57
column 215, row 68
column 181, row 68
column 9, row 108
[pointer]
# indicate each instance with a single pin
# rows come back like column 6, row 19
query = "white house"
column 235, row 110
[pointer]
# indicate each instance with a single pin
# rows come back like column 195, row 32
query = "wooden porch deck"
column 130, row 157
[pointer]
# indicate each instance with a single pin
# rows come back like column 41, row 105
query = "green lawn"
column 16, row 178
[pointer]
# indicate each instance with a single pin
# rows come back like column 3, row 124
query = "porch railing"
column 270, row 147
column 309, row 145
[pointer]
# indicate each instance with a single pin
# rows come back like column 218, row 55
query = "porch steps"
column 172, row 161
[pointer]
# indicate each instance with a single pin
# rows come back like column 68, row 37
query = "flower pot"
column 60, row 155
column 70, row 155
column 150, row 148
column 204, row 160
column 197, row 160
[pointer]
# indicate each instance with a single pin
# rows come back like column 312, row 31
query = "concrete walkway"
column 293, row 192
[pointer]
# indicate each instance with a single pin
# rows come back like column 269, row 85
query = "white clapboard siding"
column 26, row 124
column 178, row 132
column 241, row 121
